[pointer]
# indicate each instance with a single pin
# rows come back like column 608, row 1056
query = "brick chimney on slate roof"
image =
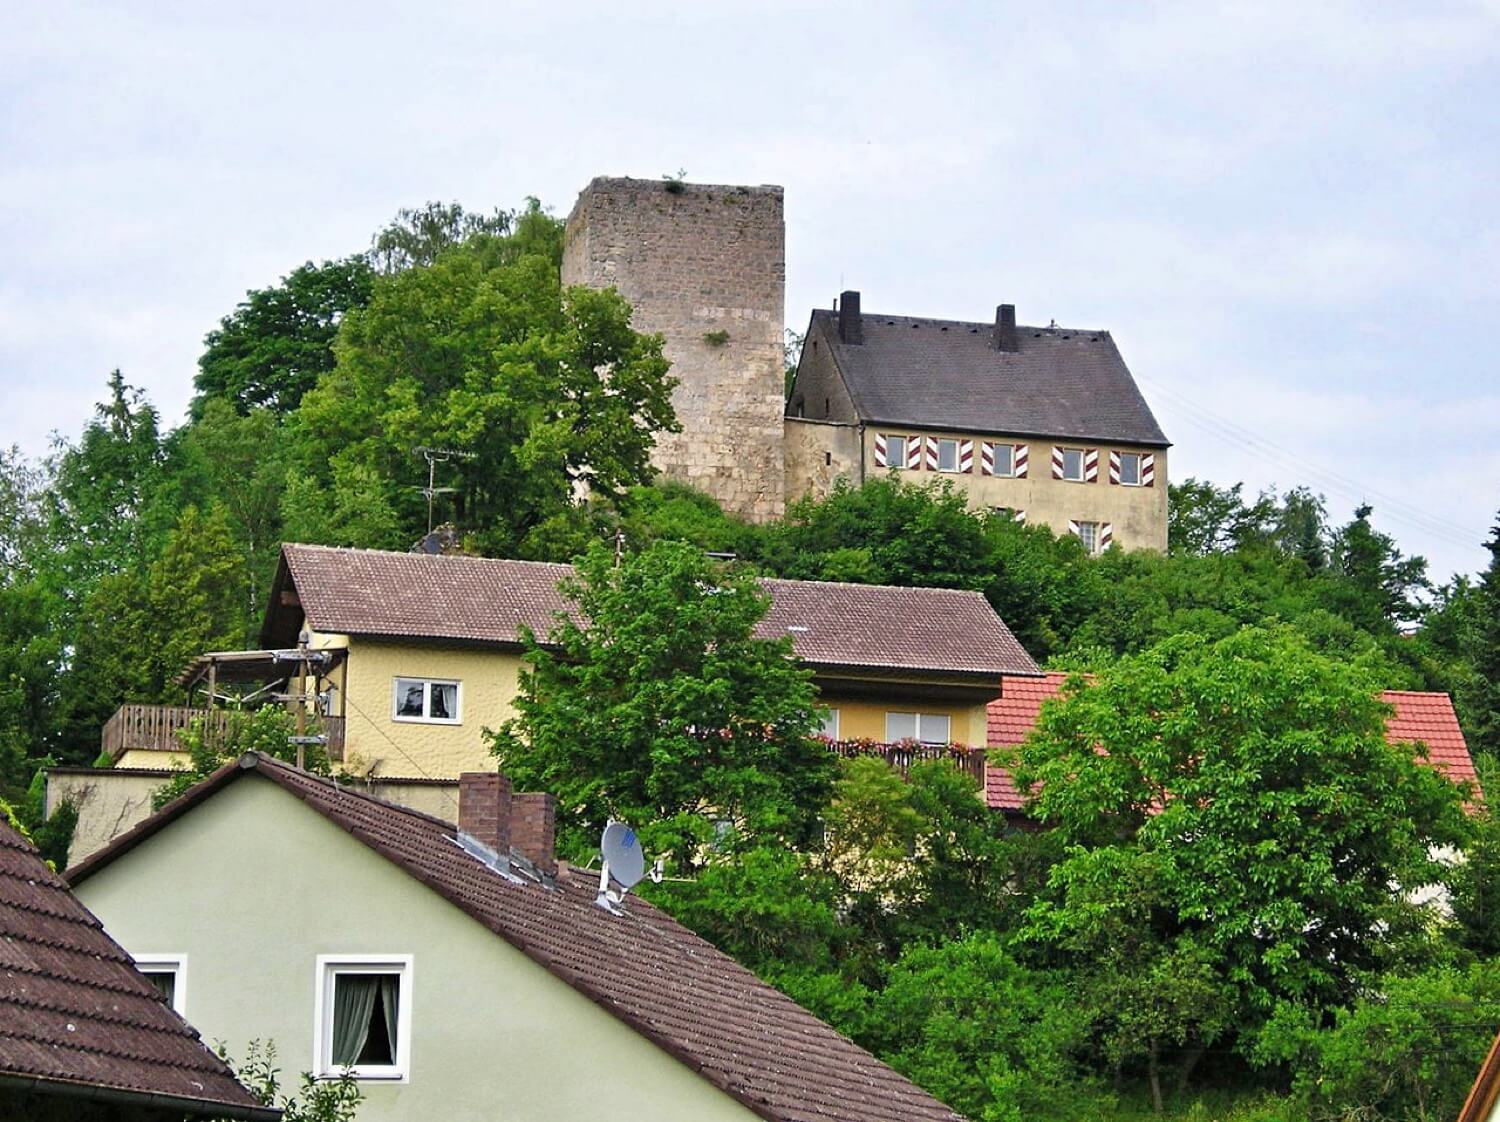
column 1007, row 338
column 851, row 327
column 533, row 830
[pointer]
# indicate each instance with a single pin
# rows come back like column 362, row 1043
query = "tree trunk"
column 1189, row 1064
column 1153, row 1067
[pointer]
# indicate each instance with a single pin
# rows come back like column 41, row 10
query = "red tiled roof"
column 1424, row 717
column 76, row 1014
column 1012, row 716
column 672, row 987
column 488, row 600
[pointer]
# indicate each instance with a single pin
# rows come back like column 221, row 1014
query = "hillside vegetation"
column 1208, row 925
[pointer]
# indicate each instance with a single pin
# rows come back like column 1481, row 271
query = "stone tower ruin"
column 705, row 266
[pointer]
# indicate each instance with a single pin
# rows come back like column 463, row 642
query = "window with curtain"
column 425, row 699
column 364, row 1018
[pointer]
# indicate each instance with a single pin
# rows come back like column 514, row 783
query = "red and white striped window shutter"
column 966, row 456
column 1057, row 465
column 1148, row 470
column 1114, row 467
column 914, row 453
column 932, row 453
column 986, row 457
column 880, row 460
column 1020, row 463
column 1091, row 465
column 1106, row 535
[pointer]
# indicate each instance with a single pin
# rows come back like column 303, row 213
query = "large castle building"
column 1043, row 424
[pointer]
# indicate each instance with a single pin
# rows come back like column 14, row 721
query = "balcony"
column 902, row 754
column 154, row 728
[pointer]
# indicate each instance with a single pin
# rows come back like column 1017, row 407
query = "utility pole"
column 435, row 456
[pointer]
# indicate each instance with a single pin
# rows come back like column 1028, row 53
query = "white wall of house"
column 253, row 886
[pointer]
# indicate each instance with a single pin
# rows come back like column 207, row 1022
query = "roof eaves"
column 154, row 1100
column 925, row 426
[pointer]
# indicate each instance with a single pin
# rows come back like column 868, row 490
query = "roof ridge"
column 356, row 550
column 983, row 325
column 862, row 584
column 331, row 783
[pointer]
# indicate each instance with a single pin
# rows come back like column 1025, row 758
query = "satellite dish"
column 622, row 861
column 621, row 851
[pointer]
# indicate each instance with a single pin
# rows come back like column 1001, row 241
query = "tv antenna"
column 435, row 456
column 622, row 862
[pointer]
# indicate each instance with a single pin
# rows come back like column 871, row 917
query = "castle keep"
column 705, row 266
column 1040, row 424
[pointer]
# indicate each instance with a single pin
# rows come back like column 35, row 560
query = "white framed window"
column 362, row 1016
column 829, row 724
column 928, row 728
column 947, row 455
column 168, row 973
column 1130, row 469
column 1088, row 534
column 1005, row 459
column 1072, row 464
column 895, row 452
column 434, row 700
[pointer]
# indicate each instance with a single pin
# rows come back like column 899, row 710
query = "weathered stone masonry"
column 705, row 266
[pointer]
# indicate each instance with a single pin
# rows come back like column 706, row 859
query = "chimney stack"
column 851, row 327
column 484, row 809
column 1007, row 338
column 534, row 830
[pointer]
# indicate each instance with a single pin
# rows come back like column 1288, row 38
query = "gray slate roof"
column 945, row 374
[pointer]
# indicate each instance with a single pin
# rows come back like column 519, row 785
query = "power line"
column 1396, row 509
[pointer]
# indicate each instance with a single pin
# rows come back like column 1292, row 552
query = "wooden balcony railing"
column 902, row 754
column 155, row 727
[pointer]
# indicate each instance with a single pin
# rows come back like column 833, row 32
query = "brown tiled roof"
column 77, row 1017
column 1427, row 718
column 944, row 374
column 672, row 987
column 487, row 600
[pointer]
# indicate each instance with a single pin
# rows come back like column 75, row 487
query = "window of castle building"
column 947, row 455
column 1130, row 469
column 1073, row 464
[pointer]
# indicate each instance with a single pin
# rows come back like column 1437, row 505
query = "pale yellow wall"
column 153, row 758
column 818, row 453
column 1138, row 514
column 375, row 741
column 859, row 719
column 494, row 1035
column 110, row 801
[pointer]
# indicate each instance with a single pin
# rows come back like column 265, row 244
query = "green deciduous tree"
column 1485, row 698
column 659, row 706
column 1404, row 1051
column 277, row 343
column 1254, row 775
column 420, row 235
column 548, row 392
column 989, row 1036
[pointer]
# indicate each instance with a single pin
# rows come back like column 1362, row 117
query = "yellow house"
column 410, row 657
column 459, row 971
column 1044, row 423
column 429, row 649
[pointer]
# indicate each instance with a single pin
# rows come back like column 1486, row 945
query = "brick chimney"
column 1007, row 338
column 485, row 807
column 851, row 327
column 533, row 831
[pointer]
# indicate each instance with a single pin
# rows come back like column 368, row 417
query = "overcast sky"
column 1285, row 213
